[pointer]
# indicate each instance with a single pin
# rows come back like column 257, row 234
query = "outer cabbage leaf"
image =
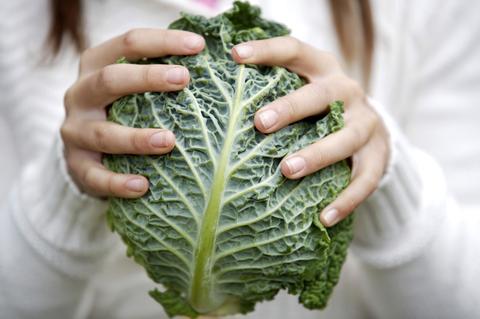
column 220, row 227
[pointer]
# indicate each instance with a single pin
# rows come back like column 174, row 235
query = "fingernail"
column 295, row 164
column 244, row 51
column 136, row 185
column 330, row 217
column 193, row 42
column 268, row 118
column 176, row 75
column 162, row 139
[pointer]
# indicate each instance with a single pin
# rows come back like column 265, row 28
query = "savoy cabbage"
column 220, row 227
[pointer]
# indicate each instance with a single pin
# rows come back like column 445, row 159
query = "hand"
column 86, row 133
column 364, row 137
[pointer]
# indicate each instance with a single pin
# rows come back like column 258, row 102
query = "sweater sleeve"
column 417, row 235
column 52, row 237
column 52, row 241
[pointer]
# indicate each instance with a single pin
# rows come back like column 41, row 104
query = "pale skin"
column 87, row 134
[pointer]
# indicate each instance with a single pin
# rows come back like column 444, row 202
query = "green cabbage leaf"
column 221, row 228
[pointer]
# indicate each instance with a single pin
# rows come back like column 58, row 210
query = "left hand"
column 364, row 137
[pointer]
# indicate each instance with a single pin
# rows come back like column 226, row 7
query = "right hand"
column 86, row 133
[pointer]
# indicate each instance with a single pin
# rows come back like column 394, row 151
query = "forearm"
column 52, row 241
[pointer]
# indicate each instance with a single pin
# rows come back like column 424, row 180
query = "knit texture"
column 414, row 254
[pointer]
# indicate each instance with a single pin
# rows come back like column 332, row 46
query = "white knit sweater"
column 415, row 250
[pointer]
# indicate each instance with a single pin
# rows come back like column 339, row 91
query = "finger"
column 331, row 149
column 98, row 181
column 366, row 176
column 114, row 81
column 111, row 138
column 140, row 43
column 288, row 52
column 105, row 183
column 311, row 99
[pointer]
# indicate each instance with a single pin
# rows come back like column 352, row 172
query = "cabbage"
column 220, row 227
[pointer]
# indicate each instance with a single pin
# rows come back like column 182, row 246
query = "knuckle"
column 150, row 77
column 372, row 118
column 368, row 118
column 354, row 88
column 168, row 38
column 348, row 117
column 73, row 170
column 315, row 90
column 66, row 132
column 330, row 59
column 290, row 108
column 100, row 135
column 317, row 157
column 131, row 40
column 346, row 203
column 325, row 90
column 88, row 178
column 357, row 137
column 106, row 184
column 68, row 99
column 295, row 46
column 111, row 185
column 350, row 88
column 96, row 183
column 321, row 90
column 340, row 79
column 106, row 79
column 295, row 43
column 371, row 183
column 72, row 165
column 137, row 142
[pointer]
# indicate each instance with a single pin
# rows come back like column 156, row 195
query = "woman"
column 414, row 249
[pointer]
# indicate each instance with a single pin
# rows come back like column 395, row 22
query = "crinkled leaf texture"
column 220, row 227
